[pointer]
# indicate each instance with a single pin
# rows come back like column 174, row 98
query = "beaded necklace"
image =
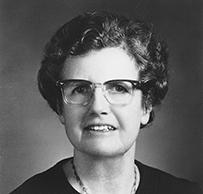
column 85, row 190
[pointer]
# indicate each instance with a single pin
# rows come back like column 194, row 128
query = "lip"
column 100, row 128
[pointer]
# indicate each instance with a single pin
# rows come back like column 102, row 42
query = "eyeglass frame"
column 137, row 85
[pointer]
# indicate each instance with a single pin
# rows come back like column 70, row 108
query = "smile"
column 103, row 128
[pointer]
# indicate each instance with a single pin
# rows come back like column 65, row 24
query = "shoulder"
column 162, row 182
column 50, row 181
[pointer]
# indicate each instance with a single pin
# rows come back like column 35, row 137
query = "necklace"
column 85, row 190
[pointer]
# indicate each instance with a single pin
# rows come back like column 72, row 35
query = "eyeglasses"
column 116, row 92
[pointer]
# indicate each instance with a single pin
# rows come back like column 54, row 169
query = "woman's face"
column 99, row 67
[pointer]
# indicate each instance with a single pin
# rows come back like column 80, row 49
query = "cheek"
column 73, row 119
column 129, row 119
column 129, row 124
column 135, row 109
column 72, row 115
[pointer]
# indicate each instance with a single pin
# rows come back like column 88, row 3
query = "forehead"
column 102, row 65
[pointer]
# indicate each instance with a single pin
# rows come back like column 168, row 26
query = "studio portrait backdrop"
column 32, row 138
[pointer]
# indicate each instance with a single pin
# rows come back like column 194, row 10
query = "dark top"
column 152, row 181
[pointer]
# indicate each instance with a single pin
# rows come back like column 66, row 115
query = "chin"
column 103, row 152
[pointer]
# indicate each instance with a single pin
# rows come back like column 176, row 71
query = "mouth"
column 101, row 128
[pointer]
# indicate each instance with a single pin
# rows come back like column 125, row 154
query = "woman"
column 103, row 74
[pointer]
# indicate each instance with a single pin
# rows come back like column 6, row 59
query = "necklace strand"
column 85, row 190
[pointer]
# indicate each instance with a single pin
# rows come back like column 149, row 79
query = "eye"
column 118, row 88
column 81, row 89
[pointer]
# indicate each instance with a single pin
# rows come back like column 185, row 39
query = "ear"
column 61, row 118
column 145, row 115
column 60, row 113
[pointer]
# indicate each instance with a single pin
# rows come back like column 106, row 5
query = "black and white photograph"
column 101, row 97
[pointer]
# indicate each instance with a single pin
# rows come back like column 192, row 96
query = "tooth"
column 102, row 128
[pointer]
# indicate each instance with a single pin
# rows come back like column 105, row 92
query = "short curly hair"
column 95, row 31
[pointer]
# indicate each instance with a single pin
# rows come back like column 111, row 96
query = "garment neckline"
column 138, row 164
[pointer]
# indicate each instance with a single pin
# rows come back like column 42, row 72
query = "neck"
column 103, row 174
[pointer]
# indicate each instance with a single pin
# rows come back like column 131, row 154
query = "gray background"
column 31, row 137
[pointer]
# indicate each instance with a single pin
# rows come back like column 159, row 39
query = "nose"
column 99, row 104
